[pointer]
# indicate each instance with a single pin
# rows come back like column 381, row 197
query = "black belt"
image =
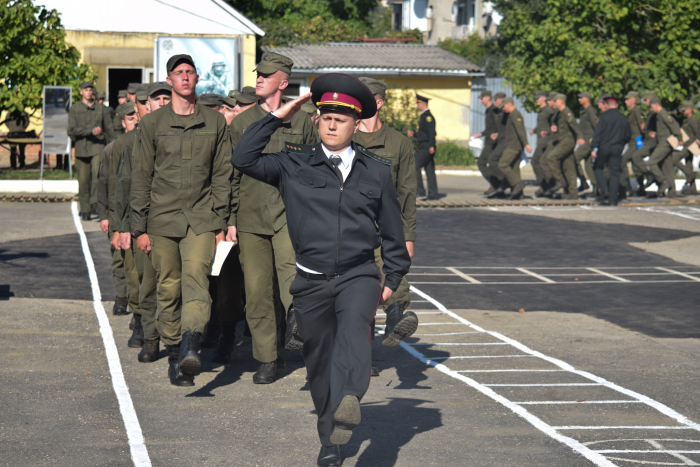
column 317, row 277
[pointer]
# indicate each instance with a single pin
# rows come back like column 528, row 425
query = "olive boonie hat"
column 175, row 60
column 377, row 86
column 559, row 97
column 131, row 89
column 539, row 94
column 158, row 86
column 128, row 108
column 632, row 94
column 508, row 100
column 499, row 95
column 339, row 92
column 86, row 84
column 245, row 96
column 271, row 62
column 585, row 94
column 122, row 93
column 142, row 92
column 484, row 93
column 210, row 99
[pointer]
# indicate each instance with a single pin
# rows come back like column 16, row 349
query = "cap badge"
column 335, row 95
column 265, row 57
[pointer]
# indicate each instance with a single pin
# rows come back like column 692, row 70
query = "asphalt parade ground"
column 548, row 337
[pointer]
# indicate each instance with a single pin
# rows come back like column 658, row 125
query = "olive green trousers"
column 146, row 292
column 87, row 168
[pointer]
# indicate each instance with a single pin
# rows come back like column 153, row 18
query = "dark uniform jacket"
column 103, row 184
column 666, row 126
column 426, row 130
column 636, row 120
column 181, row 174
column 587, row 122
column 390, row 144
column 334, row 226
column 256, row 207
column 515, row 135
column 543, row 124
column 649, row 142
column 122, row 184
column 612, row 131
column 81, row 121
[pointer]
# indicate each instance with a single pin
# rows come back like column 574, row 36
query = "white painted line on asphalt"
column 607, row 274
column 649, row 451
column 518, row 409
column 463, row 276
column 687, row 276
column 673, row 213
column 539, row 385
column 457, row 357
column 459, row 343
column 538, row 276
column 576, row 402
column 558, row 282
column 650, row 427
column 449, row 333
column 514, row 370
column 437, row 324
column 139, row 453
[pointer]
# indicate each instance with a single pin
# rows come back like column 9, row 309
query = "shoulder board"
column 377, row 158
column 428, row 119
column 307, row 149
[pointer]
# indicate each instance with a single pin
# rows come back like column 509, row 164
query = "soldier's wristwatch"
column 137, row 233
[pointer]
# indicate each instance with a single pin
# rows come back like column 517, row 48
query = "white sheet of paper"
column 222, row 251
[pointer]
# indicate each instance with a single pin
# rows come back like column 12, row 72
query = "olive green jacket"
column 182, row 174
column 690, row 126
column 117, row 120
column 543, row 124
column 516, row 136
column 390, row 144
column 666, row 126
column 122, row 189
column 636, row 119
column 255, row 206
column 568, row 130
column 117, row 150
column 82, row 120
column 587, row 122
column 649, row 142
column 103, row 184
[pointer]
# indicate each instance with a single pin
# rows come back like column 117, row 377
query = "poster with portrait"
column 214, row 57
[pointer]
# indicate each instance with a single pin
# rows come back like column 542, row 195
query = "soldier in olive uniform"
column 180, row 197
column 690, row 127
column 101, row 96
column 586, row 122
column 228, row 108
column 490, row 135
column 539, row 165
column 258, row 218
column 158, row 94
column 514, row 140
column 90, row 126
column 666, row 126
column 565, row 135
column 380, row 139
column 119, row 113
column 245, row 99
column 17, row 122
column 635, row 118
column 425, row 157
column 127, row 294
column 131, row 92
column 649, row 139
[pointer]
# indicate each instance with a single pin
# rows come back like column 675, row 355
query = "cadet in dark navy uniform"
column 426, row 149
column 341, row 205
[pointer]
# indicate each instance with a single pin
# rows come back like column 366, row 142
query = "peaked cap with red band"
column 339, row 92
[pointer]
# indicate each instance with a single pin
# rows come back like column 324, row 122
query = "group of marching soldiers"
column 564, row 157
column 165, row 216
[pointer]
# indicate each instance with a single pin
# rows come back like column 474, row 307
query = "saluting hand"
column 288, row 110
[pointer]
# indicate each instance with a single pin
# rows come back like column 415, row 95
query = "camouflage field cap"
column 121, row 93
column 499, row 95
column 86, row 84
column 131, row 89
column 585, row 94
column 142, row 92
column 539, row 94
column 245, row 96
column 484, row 93
column 128, row 108
column 377, row 86
column 271, row 62
column 158, row 86
column 560, row 97
column 508, row 100
column 210, row 99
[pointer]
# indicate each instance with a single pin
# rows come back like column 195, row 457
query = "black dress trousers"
column 610, row 157
column 334, row 319
column 425, row 160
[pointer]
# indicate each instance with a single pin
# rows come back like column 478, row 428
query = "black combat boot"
column 650, row 181
column 173, row 368
column 329, row 456
column 149, row 351
column 94, row 209
column 398, row 324
column 85, row 216
column 583, row 184
column 131, row 323
column 226, row 343
column 136, row 339
column 190, row 363
column 120, row 304
column 211, row 338
column 266, row 374
column 292, row 340
column 641, row 191
column 517, row 192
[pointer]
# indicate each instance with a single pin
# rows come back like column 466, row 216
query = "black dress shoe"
column 329, row 455
column 398, row 324
column 292, row 340
column 173, row 367
column 346, row 417
column 190, row 364
column 136, row 340
column 120, row 304
column 149, row 351
column 266, row 374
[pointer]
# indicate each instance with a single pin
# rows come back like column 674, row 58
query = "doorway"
column 118, row 79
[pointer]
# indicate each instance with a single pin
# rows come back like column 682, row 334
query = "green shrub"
column 449, row 153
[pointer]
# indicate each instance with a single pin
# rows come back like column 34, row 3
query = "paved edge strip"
column 137, row 444
column 549, row 430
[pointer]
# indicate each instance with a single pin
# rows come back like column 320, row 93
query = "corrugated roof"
column 207, row 17
column 377, row 59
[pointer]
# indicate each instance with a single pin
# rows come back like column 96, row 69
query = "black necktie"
column 336, row 160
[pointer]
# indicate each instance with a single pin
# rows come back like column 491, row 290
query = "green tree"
column 316, row 21
column 486, row 53
column 602, row 46
column 35, row 54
